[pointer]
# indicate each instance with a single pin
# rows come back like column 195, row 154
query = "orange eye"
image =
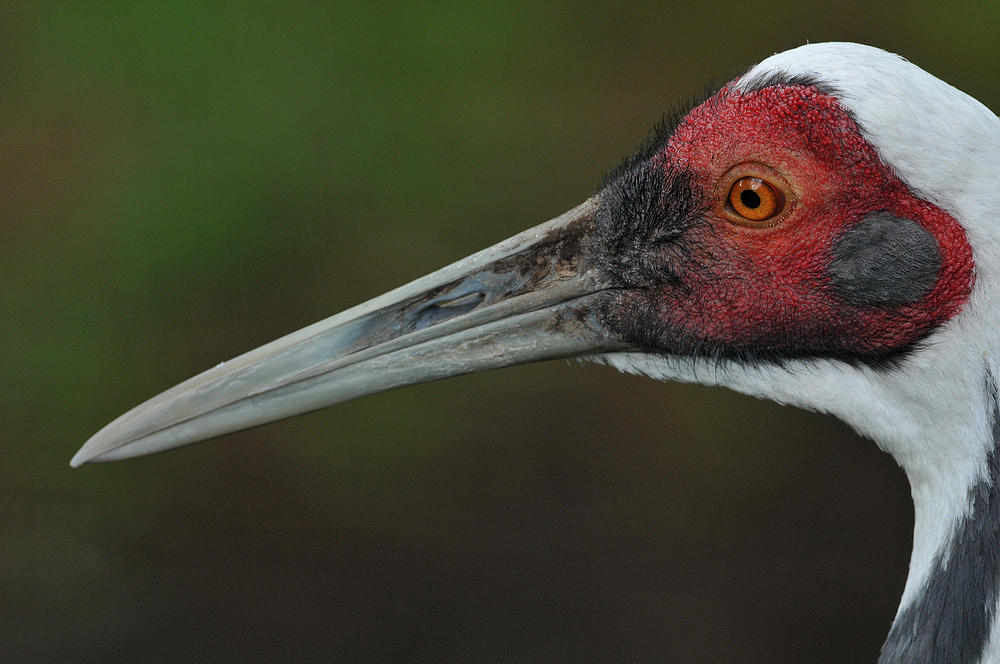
column 755, row 200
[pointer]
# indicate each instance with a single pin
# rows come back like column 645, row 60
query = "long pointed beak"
column 533, row 297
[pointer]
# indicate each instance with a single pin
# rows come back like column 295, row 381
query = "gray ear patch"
column 885, row 260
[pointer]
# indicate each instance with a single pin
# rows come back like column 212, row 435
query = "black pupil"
column 750, row 198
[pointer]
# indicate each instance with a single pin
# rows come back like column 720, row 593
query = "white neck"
column 949, row 608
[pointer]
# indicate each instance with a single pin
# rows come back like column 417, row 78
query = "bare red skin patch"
column 751, row 291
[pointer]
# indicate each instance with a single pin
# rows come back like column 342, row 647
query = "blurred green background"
column 181, row 182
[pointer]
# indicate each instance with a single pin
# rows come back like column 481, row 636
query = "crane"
column 822, row 231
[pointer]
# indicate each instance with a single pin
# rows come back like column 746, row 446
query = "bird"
column 822, row 231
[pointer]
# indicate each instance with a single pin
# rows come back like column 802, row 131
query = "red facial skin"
column 752, row 289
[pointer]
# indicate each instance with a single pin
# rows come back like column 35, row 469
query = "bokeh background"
column 183, row 181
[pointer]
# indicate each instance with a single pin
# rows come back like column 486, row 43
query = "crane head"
column 762, row 227
column 820, row 231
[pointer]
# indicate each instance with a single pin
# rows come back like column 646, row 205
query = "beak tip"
column 93, row 450
column 84, row 455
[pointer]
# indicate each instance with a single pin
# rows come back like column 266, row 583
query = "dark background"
column 181, row 182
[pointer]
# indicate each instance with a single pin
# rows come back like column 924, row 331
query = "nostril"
column 470, row 300
column 444, row 309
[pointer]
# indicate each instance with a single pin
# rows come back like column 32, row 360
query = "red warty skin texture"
column 767, row 285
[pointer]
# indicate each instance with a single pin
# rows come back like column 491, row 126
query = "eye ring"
column 755, row 196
